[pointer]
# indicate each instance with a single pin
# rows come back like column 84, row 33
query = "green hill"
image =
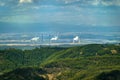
column 85, row 51
column 84, row 62
column 14, row 58
column 87, row 62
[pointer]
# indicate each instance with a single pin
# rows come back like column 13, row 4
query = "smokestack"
column 76, row 39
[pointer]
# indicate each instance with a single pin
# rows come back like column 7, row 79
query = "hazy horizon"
column 101, row 17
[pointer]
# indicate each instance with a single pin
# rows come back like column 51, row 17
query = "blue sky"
column 104, row 13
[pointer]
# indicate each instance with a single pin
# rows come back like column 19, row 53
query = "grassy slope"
column 85, row 62
column 84, row 68
column 76, row 63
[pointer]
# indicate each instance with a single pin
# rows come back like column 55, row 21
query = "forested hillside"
column 14, row 58
column 88, row 62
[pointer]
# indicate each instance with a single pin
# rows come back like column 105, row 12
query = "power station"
column 52, row 40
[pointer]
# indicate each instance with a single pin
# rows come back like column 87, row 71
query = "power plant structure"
column 53, row 40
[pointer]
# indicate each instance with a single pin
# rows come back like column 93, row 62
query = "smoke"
column 35, row 39
column 76, row 39
column 54, row 38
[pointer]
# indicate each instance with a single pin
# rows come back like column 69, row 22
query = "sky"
column 95, row 13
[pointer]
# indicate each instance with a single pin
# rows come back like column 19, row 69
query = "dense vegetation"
column 88, row 62
column 14, row 58
column 113, row 75
column 24, row 74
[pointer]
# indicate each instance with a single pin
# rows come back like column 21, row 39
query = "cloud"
column 110, row 3
column 25, row 1
column 36, row 7
column 96, row 2
column 63, row 11
column 103, row 2
column 2, row 4
column 91, row 2
column 18, row 19
column 80, row 3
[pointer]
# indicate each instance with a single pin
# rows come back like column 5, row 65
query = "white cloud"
column 18, row 19
column 69, row 1
column 107, row 3
column 96, row 2
column 25, row 1
column 93, row 2
column 2, row 4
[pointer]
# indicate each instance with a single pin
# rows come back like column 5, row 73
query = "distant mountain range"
column 54, row 27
